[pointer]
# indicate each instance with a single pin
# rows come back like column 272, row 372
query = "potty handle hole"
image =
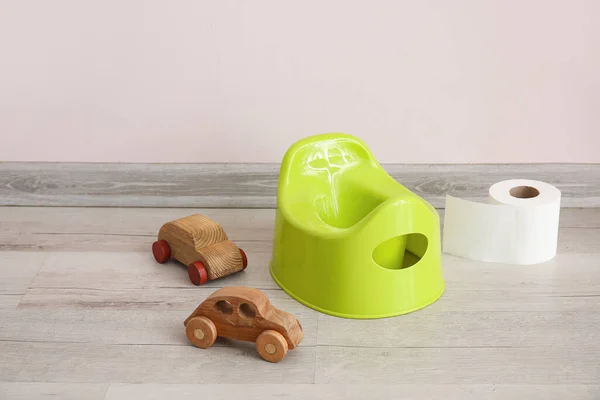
column 524, row 192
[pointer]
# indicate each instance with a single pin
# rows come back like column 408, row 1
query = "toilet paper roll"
column 518, row 225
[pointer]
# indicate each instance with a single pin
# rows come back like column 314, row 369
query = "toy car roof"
column 197, row 230
column 236, row 295
column 242, row 295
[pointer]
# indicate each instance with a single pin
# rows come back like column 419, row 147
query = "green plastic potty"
column 350, row 241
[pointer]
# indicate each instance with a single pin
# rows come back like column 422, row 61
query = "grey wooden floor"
column 87, row 314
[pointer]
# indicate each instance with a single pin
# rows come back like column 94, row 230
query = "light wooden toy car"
column 246, row 314
column 202, row 245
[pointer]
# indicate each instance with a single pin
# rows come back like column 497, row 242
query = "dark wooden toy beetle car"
column 244, row 314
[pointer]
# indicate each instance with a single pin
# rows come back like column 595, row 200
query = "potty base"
column 354, row 316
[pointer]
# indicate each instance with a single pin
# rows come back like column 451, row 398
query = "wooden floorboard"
column 133, row 363
column 247, row 224
column 52, row 391
column 17, row 270
column 432, row 328
column 571, row 240
column 135, row 270
column 240, row 224
column 467, row 365
column 255, row 185
column 153, row 391
column 9, row 301
column 134, row 229
column 352, row 392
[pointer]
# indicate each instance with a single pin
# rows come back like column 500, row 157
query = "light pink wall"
column 446, row 81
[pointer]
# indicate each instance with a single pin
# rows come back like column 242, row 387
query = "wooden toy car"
column 202, row 245
column 244, row 314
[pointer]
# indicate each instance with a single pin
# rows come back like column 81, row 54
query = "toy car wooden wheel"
column 244, row 259
column 197, row 273
column 201, row 332
column 271, row 345
column 161, row 251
